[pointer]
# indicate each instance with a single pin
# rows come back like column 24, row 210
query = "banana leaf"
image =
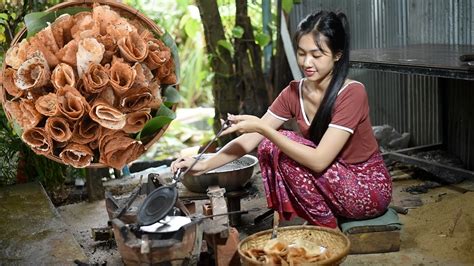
column 36, row 21
column 169, row 41
column 16, row 128
column 171, row 96
column 163, row 117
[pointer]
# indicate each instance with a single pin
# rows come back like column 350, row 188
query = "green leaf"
column 163, row 117
column 227, row 45
column 192, row 27
column 2, row 37
column 17, row 129
column 4, row 16
column 237, row 32
column 262, row 39
column 287, row 5
column 168, row 40
column 36, row 21
column 2, row 40
column 171, row 96
column 182, row 3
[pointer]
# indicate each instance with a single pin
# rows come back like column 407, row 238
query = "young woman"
column 334, row 169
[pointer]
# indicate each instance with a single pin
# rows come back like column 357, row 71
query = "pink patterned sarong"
column 355, row 191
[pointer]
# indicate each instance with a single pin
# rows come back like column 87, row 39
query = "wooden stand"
column 217, row 232
column 232, row 198
column 368, row 239
column 377, row 235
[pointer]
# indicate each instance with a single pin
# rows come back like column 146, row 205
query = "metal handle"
column 177, row 174
column 196, row 218
column 276, row 222
column 232, row 212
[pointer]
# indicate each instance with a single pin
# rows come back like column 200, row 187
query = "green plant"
column 9, row 144
column 178, row 137
column 16, row 158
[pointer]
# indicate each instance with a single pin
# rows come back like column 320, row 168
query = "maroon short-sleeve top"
column 350, row 113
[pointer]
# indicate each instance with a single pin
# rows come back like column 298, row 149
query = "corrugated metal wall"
column 410, row 103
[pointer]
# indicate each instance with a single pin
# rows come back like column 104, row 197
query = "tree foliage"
column 14, row 154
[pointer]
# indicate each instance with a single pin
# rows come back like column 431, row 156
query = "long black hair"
column 335, row 28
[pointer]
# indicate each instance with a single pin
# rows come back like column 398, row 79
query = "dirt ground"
column 438, row 229
column 445, row 229
column 81, row 218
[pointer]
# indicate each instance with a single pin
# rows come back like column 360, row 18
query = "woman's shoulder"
column 295, row 84
column 353, row 83
column 352, row 86
column 292, row 88
column 290, row 92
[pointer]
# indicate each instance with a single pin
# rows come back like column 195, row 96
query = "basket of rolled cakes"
column 90, row 83
column 295, row 245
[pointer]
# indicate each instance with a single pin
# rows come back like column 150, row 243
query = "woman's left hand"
column 243, row 124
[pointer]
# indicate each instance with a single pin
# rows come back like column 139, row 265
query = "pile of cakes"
column 83, row 87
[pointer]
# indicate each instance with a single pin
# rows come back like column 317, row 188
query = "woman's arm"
column 316, row 159
column 233, row 150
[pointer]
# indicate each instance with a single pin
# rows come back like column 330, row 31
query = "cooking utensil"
column 157, row 205
column 122, row 208
column 198, row 216
column 276, row 222
column 232, row 176
column 161, row 200
column 178, row 173
column 174, row 223
column 167, row 225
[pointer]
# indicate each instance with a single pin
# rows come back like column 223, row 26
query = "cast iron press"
column 162, row 200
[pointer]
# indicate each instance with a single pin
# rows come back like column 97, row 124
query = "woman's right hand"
column 185, row 162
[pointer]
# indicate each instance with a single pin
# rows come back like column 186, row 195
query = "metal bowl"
column 231, row 176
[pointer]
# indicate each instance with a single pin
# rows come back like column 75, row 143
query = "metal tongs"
column 177, row 175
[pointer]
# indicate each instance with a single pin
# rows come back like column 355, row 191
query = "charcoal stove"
column 136, row 247
column 181, row 247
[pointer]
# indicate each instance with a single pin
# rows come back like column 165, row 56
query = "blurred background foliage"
column 182, row 20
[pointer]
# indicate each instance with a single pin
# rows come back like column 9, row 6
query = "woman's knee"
column 265, row 148
column 297, row 137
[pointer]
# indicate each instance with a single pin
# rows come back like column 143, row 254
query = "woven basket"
column 125, row 11
column 336, row 242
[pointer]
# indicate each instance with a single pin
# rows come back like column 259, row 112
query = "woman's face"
column 316, row 64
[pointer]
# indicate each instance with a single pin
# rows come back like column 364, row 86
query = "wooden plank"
column 437, row 60
column 374, row 242
column 427, row 56
column 415, row 70
column 289, row 50
column 447, row 173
